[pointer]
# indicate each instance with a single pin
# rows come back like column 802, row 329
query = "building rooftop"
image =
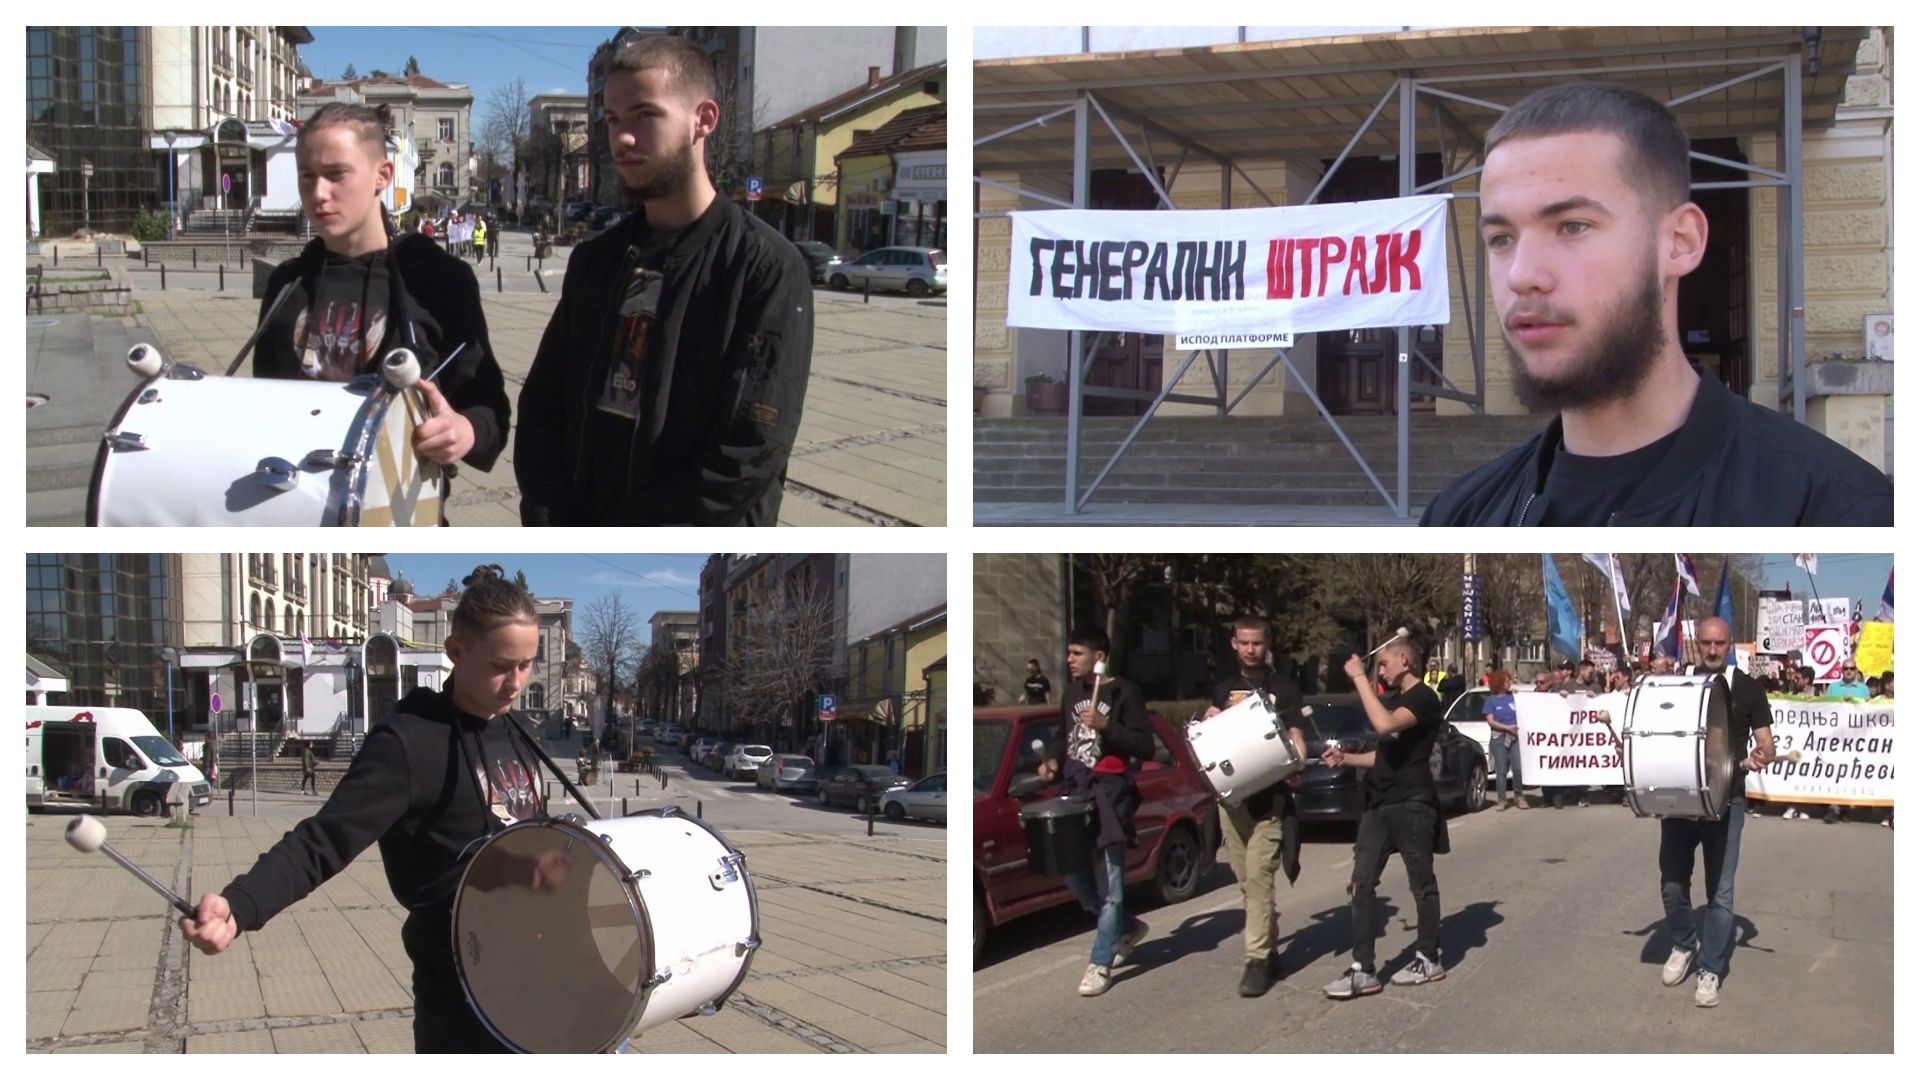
column 924, row 128
column 417, row 82
column 860, row 95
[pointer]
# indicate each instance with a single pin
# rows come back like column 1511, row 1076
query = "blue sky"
column 483, row 57
column 648, row 583
column 1860, row 577
column 999, row 42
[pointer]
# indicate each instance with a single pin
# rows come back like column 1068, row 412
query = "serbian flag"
column 1886, row 601
column 1667, row 638
column 1683, row 564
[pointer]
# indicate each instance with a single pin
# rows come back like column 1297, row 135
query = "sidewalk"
column 854, row 958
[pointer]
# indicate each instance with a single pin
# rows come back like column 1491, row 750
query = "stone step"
column 1110, row 493
column 62, row 465
column 1254, row 479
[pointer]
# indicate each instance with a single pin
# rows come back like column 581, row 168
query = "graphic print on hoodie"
column 512, row 794
column 336, row 337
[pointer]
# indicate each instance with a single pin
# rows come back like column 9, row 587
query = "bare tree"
column 781, row 655
column 655, row 680
column 503, row 133
column 730, row 147
column 609, row 639
column 1113, row 578
column 1512, row 597
column 1383, row 592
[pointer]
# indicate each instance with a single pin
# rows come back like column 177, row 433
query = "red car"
column 1178, row 830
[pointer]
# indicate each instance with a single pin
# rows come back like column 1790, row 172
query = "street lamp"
column 171, row 656
column 86, row 195
column 173, row 172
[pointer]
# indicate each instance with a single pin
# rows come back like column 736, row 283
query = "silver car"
column 926, row 798
column 912, row 270
column 745, row 760
column 787, row 772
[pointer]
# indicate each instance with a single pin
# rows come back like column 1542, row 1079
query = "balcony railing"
column 246, row 75
column 223, row 61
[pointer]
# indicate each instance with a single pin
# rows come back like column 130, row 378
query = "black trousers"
column 1409, row 828
column 443, row 1021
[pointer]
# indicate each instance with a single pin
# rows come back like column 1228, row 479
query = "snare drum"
column 1243, row 750
column 1674, row 743
column 1059, row 835
column 573, row 936
column 191, row 449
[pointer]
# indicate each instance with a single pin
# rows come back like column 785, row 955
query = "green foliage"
column 150, row 226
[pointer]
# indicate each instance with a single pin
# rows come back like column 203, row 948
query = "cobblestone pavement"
column 854, row 957
column 872, row 448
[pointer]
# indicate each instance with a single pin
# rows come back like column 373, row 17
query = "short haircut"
column 687, row 66
column 1806, row 672
column 1885, row 675
column 1405, row 647
column 1034, row 660
column 1655, row 159
column 1091, row 638
column 490, row 602
column 369, row 124
column 1253, row 622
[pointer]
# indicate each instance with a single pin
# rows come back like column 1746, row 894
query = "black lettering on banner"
column 1206, row 273
column 1136, row 256
column 1061, row 268
column 1037, row 246
column 1157, row 273
column 1233, row 267
column 1086, row 270
column 1110, row 270
column 1183, row 270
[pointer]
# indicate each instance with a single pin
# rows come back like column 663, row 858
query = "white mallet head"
column 145, row 360
column 1099, row 667
column 401, row 369
column 86, row 834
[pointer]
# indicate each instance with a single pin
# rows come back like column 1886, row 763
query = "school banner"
column 1271, row 270
column 1846, row 748
column 1846, row 753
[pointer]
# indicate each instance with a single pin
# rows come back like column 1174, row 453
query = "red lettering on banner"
column 1333, row 250
column 1279, row 269
column 1357, row 267
column 1405, row 258
column 1306, row 247
column 1291, row 262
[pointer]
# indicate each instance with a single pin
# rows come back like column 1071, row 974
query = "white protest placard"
column 1826, row 650
column 1834, row 609
column 1194, row 342
column 1846, row 753
column 1562, row 741
column 1283, row 269
column 1782, row 626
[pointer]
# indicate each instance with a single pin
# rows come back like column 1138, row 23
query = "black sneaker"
column 1256, row 978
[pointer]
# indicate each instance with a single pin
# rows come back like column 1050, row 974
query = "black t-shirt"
column 511, row 780
column 1284, row 695
column 1590, row 490
column 1402, row 767
column 1747, row 711
column 617, row 406
column 1037, row 689
column 337, row 337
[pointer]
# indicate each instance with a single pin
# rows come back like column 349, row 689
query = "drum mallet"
column 1398, row 635
column 87, row 834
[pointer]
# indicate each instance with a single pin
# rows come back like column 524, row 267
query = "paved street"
column 1552, row 933
column 854, row 928
column 873, row 437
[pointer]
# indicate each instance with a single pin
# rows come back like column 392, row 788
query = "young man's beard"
column 1632, row 334
column 671, row 175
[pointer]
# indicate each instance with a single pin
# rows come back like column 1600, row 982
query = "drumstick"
column 448, row 360
column 89, row 835
column 1398, row 635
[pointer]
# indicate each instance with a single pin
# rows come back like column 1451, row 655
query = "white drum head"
column 1676, row 758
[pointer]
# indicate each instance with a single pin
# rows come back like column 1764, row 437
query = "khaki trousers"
column 1253, row 850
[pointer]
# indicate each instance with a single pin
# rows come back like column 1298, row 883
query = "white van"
column 102, row 759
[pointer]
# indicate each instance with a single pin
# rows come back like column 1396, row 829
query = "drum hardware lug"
column 709, row 1009
column 571, row 818
column 278, row 473
column 330, row 459
column 605, row 839
column 670, row 810
column 177, row 370
column 659, row 977
column 729, row 871
column 639, row 875
column 149, row 395
column 742, row 948
column 126, row 440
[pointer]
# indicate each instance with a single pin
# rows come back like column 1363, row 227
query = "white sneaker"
column 1793, row 815
column 1675, row 970
column 1706, row 993
column 1134, row 936
column 1096, row 981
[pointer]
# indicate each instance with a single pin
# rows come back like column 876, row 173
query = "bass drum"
column 1674, row 747
column 574, row 936
column 1243, row 750
column 187, row 449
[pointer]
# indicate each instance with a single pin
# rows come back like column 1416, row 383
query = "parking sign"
column 829, row 707
column 753, row 189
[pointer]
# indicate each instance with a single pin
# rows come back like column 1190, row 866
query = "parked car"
column 1178, row 829
column 672, row 735
column 1327, row 794
column 915, row 271
column 745, row 759
column 716, row 756
column 698, row 751
column 821, row 258
column 645, row 727
column 858, row 786
column 1469, row 713
column 605, row 218
column 924, row 798
column 786, row 772
column 577, row 212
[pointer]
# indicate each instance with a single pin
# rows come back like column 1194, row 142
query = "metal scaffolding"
column 1462, row 152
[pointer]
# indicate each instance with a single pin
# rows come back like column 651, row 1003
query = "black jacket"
column 433, row 307
column 1734, row 463
column 1127, row 736
column 412, row 789
column 720, row 400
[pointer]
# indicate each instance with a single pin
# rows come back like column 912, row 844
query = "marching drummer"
column 1259, row 830
column 445, row 770
column 1103, row 731
column 360, row 290
column 1748, row 715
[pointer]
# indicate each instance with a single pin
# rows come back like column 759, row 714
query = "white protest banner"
column 1846, row 753
column 1562, row 741
column 1834, row 609
column 1782, row 626
column 1193, row 342
column 1826, row 650
column 1283, row 269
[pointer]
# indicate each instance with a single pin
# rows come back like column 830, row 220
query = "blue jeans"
column 1719, row 842
column 1106, row 900
column 1506, row 758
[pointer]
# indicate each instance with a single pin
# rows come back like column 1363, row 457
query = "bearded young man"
column 1586, row 216
column 667, row 389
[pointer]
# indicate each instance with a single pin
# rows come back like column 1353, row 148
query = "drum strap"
column 261, row 327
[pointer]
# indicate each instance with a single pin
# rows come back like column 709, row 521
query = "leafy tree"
column 348, row 75
column 413, row 66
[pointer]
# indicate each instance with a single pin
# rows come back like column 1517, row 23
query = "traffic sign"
column 226, row 183
column 829, row 707
column 753, row 189
column 1826, row 650
column 214, row 702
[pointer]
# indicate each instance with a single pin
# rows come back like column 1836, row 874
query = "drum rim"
column 367, row 423
column 635, row 901
column 100, row 454
column 672, row 811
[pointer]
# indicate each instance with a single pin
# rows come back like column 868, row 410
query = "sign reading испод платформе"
column 1293, row 269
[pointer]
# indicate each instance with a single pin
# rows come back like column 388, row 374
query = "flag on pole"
column 1808, row 562
column 1684, row 564
column 1609, row 564
column 1886, row 601
column 1723, row 601
column 306, row 651
column 1564, row 632
column 1666, row 641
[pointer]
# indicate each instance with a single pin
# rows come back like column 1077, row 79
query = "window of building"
column 536, row 696
column 446, row 174
column 446, row 129
column 253, row 612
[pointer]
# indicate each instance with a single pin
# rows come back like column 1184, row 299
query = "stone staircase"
column 1246, row 460
column 215, row 223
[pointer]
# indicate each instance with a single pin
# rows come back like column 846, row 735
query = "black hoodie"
column 413, row 789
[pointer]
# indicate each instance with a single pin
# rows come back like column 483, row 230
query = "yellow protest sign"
column 1874, row 653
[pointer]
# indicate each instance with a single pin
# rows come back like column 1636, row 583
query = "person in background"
column 1506, row 738
column 1038, row 687
column 309, row 770
column 1849, row 686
